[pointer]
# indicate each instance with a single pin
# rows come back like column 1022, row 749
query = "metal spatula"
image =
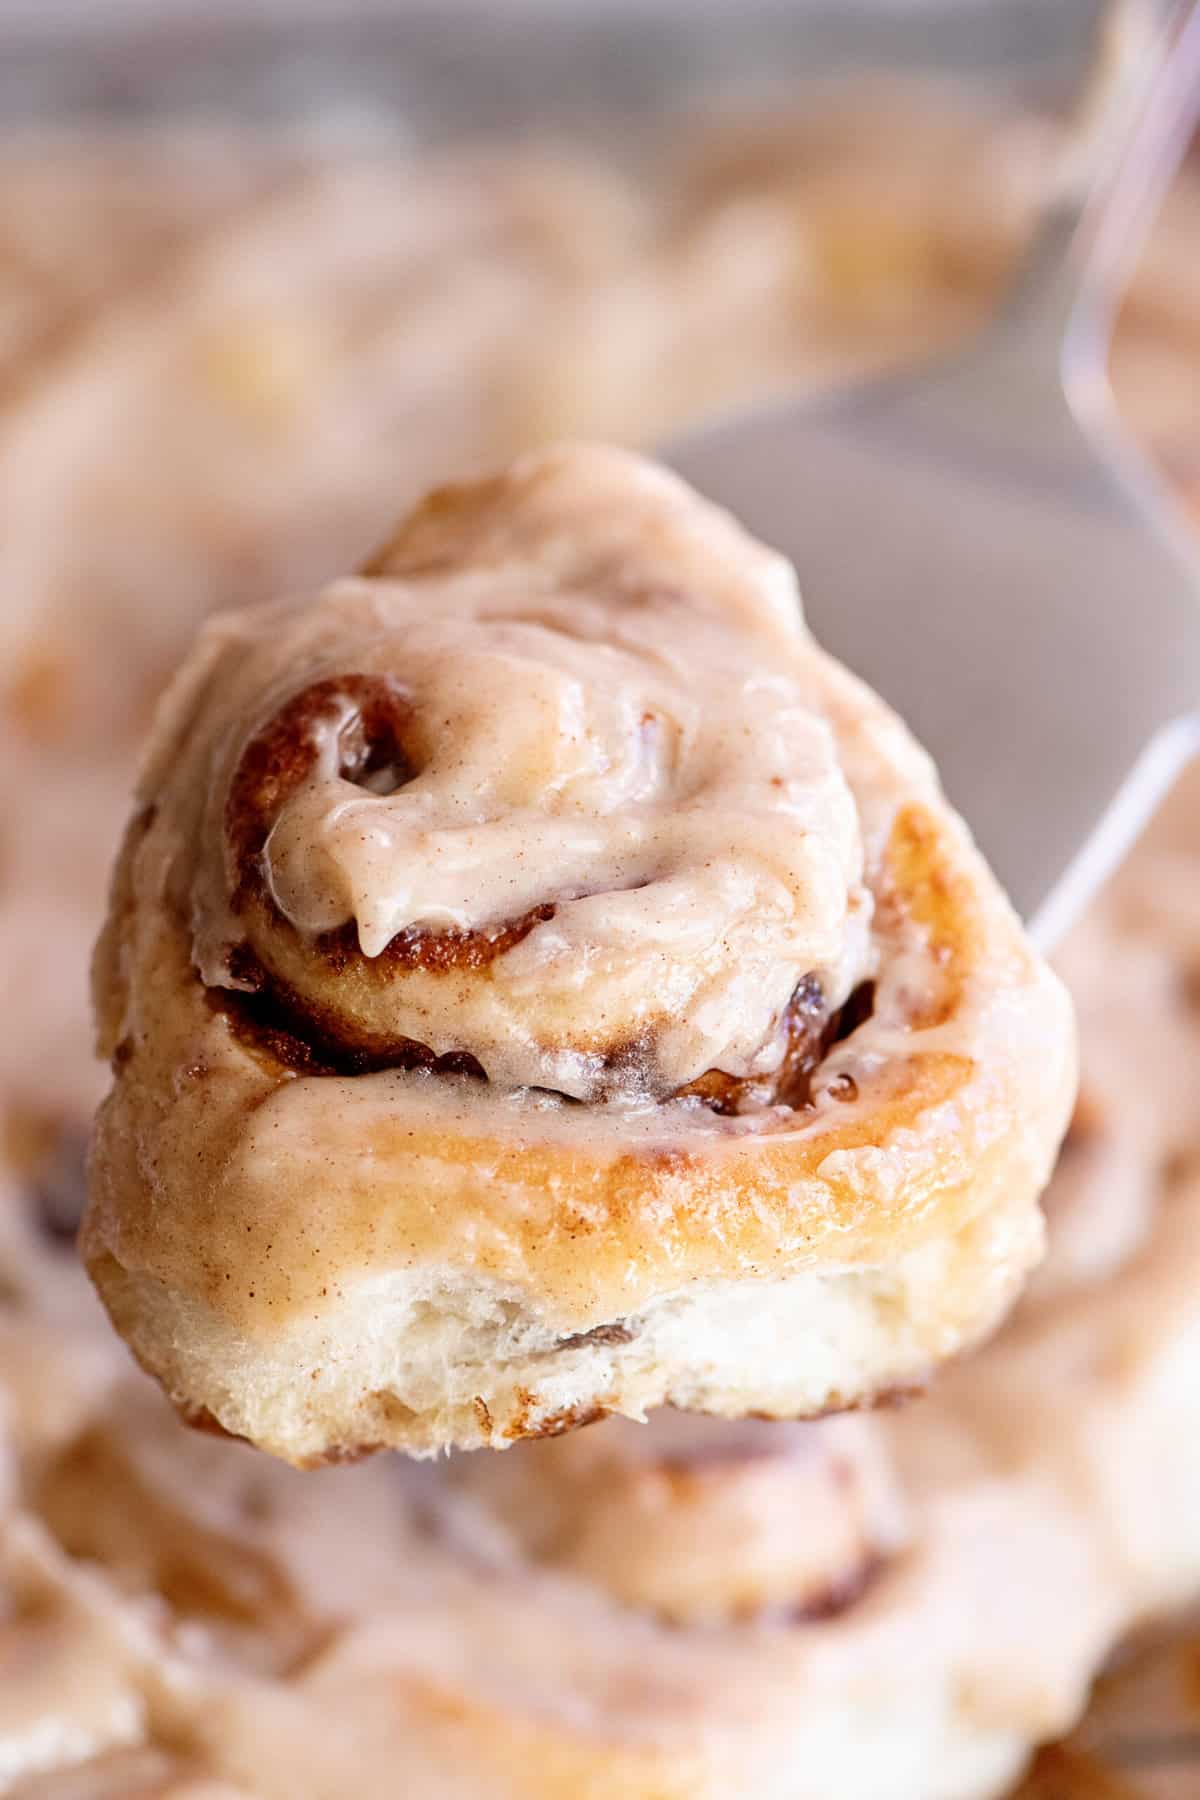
column 979, row 540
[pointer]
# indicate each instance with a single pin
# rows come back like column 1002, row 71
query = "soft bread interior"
column 407, row 1358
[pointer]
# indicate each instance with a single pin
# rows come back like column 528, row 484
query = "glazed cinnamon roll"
column 540, row 984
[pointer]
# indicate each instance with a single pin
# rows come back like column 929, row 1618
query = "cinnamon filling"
column 375, row 750
column 415, row 948
column 50, row 1155
column 280, row 1026
column 841, row 1594
column 284, row 1030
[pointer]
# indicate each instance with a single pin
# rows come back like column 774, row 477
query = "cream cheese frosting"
column 646, row 765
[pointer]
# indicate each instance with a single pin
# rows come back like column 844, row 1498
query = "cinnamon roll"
column 805, row 1516
column 540, row 984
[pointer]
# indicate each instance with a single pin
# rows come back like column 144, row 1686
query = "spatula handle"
column 1131, row 131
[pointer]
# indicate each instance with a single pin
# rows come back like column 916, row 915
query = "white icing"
column 650, row 759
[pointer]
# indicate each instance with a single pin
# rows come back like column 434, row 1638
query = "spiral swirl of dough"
column 588, row 831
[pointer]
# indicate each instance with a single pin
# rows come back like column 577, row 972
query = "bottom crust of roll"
column 406, row 1359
